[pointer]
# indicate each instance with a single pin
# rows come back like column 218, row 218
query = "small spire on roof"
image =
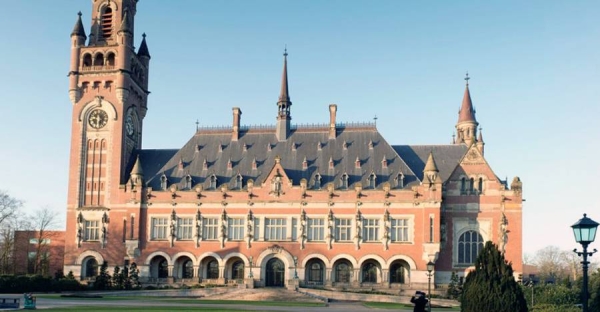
column 125, row 23
column 430, row 166
column 466, row 112
column 143, row 50
column 78, row 29
column 480, row 135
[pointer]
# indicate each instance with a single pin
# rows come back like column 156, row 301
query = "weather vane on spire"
column 285, row 51
column 467, row 78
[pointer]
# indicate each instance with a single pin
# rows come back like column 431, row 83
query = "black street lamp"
column 430, row 267
column 585, row 233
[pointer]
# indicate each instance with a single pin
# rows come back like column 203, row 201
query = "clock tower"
column 108, row 87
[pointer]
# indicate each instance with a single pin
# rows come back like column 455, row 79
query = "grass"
column 141, row 309
column 390, row 305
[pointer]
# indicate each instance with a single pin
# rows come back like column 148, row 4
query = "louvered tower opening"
column 107, row 22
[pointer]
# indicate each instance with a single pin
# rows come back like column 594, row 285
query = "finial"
column 285, row 51
column 375, row 120
column 197, row 123
column 144, row 35
column 467, row 78
column 79, row 13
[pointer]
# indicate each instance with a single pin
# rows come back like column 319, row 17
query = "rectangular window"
column 236, row 229
column 92, row 230
column 256, row 230
column 184, row 228
column 211, row 228
column 275, row 229
column 399, row 230
column 159, row 228
column 316, row 229
column 371, row 230
column 343, row 228
column 431, row 228
column 45, row 241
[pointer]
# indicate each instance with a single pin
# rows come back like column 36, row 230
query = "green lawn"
column 191, row 301
column 142, row 309
column 390, row 305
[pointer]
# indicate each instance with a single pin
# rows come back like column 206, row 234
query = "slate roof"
column 217, row 148
column 446, row 157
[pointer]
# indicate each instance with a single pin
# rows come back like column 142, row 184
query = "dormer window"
column 238, row 181
column 213, row 182
column 317, row 184
column 163, row 182
column 399, row 180
column 372, row 182
column 304, row 164
column 188, row 182
column 344, row 181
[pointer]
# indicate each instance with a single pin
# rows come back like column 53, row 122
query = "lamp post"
column 295, row 266
column 430, row 267
column 585, row 233
column 250, row 274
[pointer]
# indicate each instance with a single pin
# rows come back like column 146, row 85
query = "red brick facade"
column 335, row 204
column 51, row 250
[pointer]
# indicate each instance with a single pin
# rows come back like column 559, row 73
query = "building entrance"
column 275, row 273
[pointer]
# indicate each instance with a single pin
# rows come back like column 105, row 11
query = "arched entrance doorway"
column 275, row 273
column 159, row 267
column 314, row 272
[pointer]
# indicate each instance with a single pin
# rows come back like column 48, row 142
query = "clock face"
column 129, row 125
column 98, row 119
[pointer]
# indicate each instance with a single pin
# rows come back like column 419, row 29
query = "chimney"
column 235, row 134
column 332, row 130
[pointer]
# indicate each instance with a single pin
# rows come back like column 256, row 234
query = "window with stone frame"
column 92, row 230
column 316, row 229
column 235, row 229
column 160, row 228
column 275, row 229
column 210, row 229
column 370, row 230
column 185, row 228
column 470, row 243
column 400, row 230
column 343, row 230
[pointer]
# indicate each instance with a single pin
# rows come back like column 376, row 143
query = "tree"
column 103, row 279
column 41, row 221
column 10, row 220
column 455, row 287
column 492, row 286
column 125, row 278
column 134, row 276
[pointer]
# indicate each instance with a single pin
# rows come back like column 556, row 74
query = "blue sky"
column 535, row 71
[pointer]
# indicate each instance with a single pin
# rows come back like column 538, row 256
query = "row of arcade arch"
column 270, row 268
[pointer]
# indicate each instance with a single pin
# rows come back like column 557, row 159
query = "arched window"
column 480, row 185
column 471, row 185
column 91, row 267
column 110, row 59
column 369, row 273
column 470, row 244
column 87, row 60
column 213, row 270
column 343, row 272
column 315, row 273
column 163, row 268
column 397, row 273
column 106, row 24
column 344, row 182
column 463, row 186
column 372, row 181
column 99, row 60
column 237, row 270
column 317, row 185
column 213, row 182
column 188, row 269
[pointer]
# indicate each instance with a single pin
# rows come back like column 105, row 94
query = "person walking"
column 419, row 301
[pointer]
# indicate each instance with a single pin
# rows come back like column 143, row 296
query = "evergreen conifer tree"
column 117, row 278
column 103, row 279
column 492, row 286
column 125, row 278
column 70, row 276
column 134, row 276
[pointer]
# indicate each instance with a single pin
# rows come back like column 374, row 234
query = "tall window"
column 371, row 230
column 211, row 228
column 470, row 244
column 397, row 273
column 91, row 267
column 343, row 272
column 400, row 230
column 463, row 186
column 275, row 229
column 212, row 270
column 343, row 228
column 236, row 229
column 107, row 23
column 431, row 228
column 188, row 269
column 92, row 230
column 315, row 273
column 471, row 185
column 480, row 185
column 369, row 273
column 237, row 270
column 316, row 229
column 184, row 228
column 159, row 228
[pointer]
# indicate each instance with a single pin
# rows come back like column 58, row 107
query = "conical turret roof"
column 284, row 95
column 137, row 167
column 78, row 29
column 430, row 165
column 125, row 23
column 143, row 50
column 467, row 112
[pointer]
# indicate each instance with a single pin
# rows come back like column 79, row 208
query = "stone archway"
column 275, row 273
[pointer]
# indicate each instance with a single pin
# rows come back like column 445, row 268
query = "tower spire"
column 143, row 50
column 78, row 29
column 283, row 114
column 466, row 127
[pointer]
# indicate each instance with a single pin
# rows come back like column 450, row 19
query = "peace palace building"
column 333, row 205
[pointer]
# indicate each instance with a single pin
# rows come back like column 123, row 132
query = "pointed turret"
column 480, row 142
column 137, row 174
column 430, row 173
column 283, row 115
column 466, row 127
column 78, row 29
column 126, row 23
column 143, row 50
